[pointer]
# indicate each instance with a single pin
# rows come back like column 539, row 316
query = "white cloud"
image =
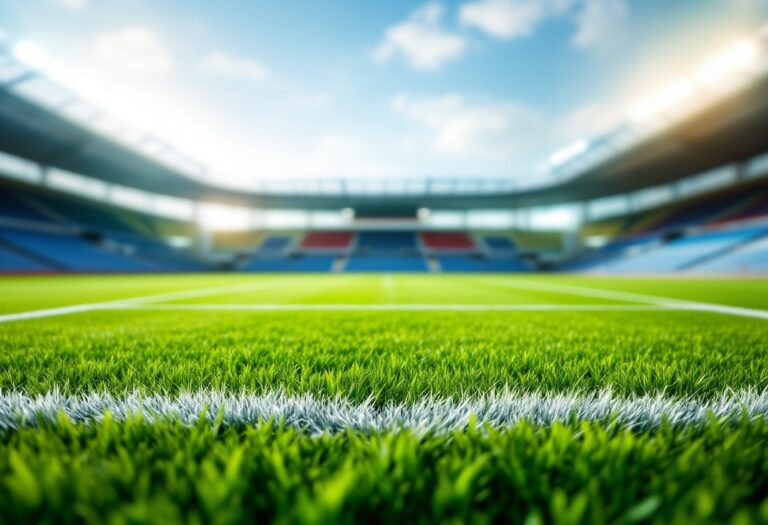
column 72, row 4
column 460, row 130
column 233, row 66
column 504, row 18
column 134, row 49
column 421, row 40
column 598, row 22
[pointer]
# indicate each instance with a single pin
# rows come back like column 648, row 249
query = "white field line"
column 667, row 302
column 429, row 415
column 389, row 288
column 401, row 307
column 145, row 299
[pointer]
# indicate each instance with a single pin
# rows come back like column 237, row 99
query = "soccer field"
column 384, row 398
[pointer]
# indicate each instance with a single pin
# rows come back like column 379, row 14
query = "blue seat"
column 499, row 243
column 158, row 253
column 309, row 263
column 466, row 263
column 751, row 258
column 71, row 252
column 685, row 252
column 386, row 264
column 11, row 261
column 390, row 243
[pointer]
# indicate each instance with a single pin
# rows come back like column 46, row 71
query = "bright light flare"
column 567, row 153
column 217, row 217
column 736, row 59
column 32, row 55
column 739, row 57
column 667, row 98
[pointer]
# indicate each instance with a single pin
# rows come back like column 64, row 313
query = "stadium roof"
column 671, row 135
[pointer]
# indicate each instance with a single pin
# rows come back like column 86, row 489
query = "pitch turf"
column 395, row 398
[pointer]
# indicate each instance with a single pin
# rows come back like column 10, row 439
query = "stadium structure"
column 681, row 186
column 356, row 350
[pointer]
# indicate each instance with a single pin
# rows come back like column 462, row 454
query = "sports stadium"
column 583, row 342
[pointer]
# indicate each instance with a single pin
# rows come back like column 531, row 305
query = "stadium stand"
column 499, row 244
column 698, row 212
column 749, row 258
column 71, row 252
column 158, row 254
column 754, row 208
column 12, row 261
column 14, row 206
column 386, row 263
column 453, row 241
column 301, row 263
column 274, row 245
column 386, row 243
column 327, row 241
column 687, row 251
column 469, row 263
column 616, row 250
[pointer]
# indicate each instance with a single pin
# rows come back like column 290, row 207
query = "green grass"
column 164, row 473
column 392, row 356
column 573, row 473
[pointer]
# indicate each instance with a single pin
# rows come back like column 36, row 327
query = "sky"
column 377, row 89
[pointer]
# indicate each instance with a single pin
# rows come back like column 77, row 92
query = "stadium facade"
column 681, row 186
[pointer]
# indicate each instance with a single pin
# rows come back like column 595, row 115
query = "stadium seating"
column 755, row 208
column 613, row 251
column 386, row 264
column 387, row 243
column 274, row 245
column 698, row 213
column 158, row 254
column 686, row 252
column 468, row 263
column 306, row 263
column 499, row 243
column 327, row 241
column 453, row 241
column 13, row 206
column 92, row 216
column 750, row 258
column 71, row 252
column 12, row 261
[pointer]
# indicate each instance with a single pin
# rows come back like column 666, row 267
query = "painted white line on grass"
column 429, row 415
column 667, row 302
column 49, row 312
column 401, row 307
column 145, row 299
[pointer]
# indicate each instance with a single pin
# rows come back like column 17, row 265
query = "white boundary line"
column 400, row 307
column 135, row 301
column 428, row 415
column 667, row 302
column 143, row 302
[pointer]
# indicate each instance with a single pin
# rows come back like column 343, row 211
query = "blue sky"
column 396, row 88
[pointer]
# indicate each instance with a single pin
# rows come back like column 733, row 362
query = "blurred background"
column 612, row 136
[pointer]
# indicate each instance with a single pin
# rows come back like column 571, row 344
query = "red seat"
column 327, row 240
column 447, row 241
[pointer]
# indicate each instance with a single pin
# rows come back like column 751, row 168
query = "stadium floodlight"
column 738, row 57
column 554, row 218
column 222, row 217
column 569, row 152
column 666, row 99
